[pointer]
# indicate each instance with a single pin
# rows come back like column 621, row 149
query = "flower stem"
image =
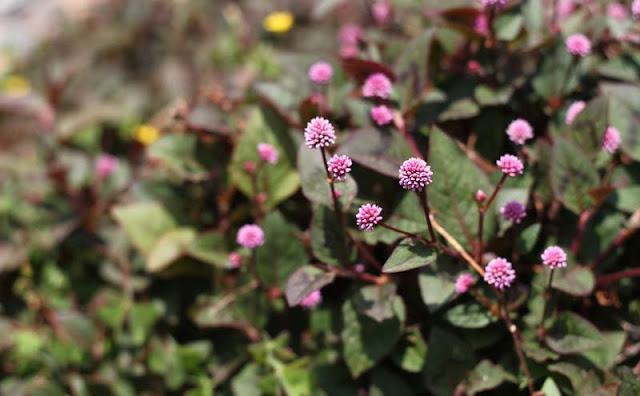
column 458, row 248
column 425, row 207
column 547, row 295
column 332, row 187
column 410, row 235
column 482, row 210
column 517, row 342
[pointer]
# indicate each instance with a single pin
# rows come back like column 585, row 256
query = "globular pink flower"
column 350, row 34
column 519, row 131
column 572, row 112
column 234, row 260
column 378, row 85
column 564, row 8
column 617, row 11
column 105, row 165
column 312, row 300
column 415, row 174
column 382, row 115
column 480, row 196
column 499, row 273
column 463, row 283
column 319, row 133
column 513, row 211
column 381, row 11
column 611, row 140
column 578, row 44
column 348, row 50
column 481, row 24
column 487, row 3
column 320, row 72
column 250, row 236
column 268, row 153
column 359, row 268
column 368, row 217
column 635, row 8
column 339, row 166
column 510, row 165
column 554, row 257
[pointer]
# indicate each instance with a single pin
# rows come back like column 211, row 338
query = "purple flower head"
column 267, row 153
column 463, row 283
column 378, row 85
column 499, row 273
column 382, row 115
column 415, row 174
column 312, row 300
column 510, row 165
column 617, row 11
column 519, row 131
column 320, row 72
column 368, row 216
column 250, row 236
column 578, row 44
column 339, row 166
column 319, row 133
column 105, row 165
column 513, row 211
column 233, row 261
column 611, row 140
column 572, row 112
column 554, row 257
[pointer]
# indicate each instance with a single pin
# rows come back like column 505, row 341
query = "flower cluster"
column 368, row 217
column 312, row 300
column 250, row 236
column 319, row 133
column 554, row 257
column 519, row 131
column 415, row 174
column 339, row 166
column 574, row 109
column 377, row 85
column 105, row 165
column 510, row 165
column 513, row 211
column 611, row 140
column 463, row 283
column 578, row 44
column 320, row 72
column 499, row 273
column 267, row 153
column 382, row 115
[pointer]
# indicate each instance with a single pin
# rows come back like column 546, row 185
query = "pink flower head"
column 378, row 85
column 572, row 112
column 268, row 153
column 474, row 67
column 564, row 8
column 499, row 273
column 480, row 195
column 381, row 11
column 368, row 217
column 348, row 50
column 319, row 133
column 578, row 44
column 249, row 166
column 250, row 236
column 234, row 260
column 415, row 174
column 617, row 11
column 312, row 300
column 510, row 165
column 519, row 131
column 554, row 257
column 611, row 140
column 339, row 166
column 350, row 34
column 381, row 115
column 488, row 3
column 635, row 8
column 463, row 283
column 105, row 165
column 320, row 72
column 481, row 24
column 513, row 211
column 359, row 268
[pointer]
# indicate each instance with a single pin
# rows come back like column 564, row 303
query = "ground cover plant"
column 321, row 198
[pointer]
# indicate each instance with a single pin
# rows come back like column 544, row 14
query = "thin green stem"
column 547, row 296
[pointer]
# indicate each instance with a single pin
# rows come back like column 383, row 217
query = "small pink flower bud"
column 368, row 217
column 319, row 133
column 474, row 68
column 611, row 140
column 554, row 257
column 268, row 153
column 578, row 44
column 519, row 131
column 463, row 283
column 381, row 11
column 350, row 34
column 499, row 273
column 382, row 115
column 510, row 165
column 572, row 112
column 250, row 236
column 617, row 11
column 233, row 261
column 635, row 8
column 480, row 196
column 320, row 72
column 415, row 174
column 312, row 300
column 105, row 165
column 377, row 85
column 513, row 211
column 249, row 166
column 481, row 24
column 339, row 166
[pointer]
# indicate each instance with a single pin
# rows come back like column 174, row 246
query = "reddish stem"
column 582, row 222
column 612, row 277
column 481, row 212
column 410, row 235
column 624, row 234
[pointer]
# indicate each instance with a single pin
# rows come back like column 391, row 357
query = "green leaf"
column 178, row 154
column 366, row 341
column 304, row 281
column 528, row 238
column 412, row 69
column 376, row 301
column 604, row 357
column 144, row 223
column 245, row 383
column 385, row 382
column 282, row 252
column 550, row 388
column 403, row 217
column 461, row 109
column 489, row 96
column 437, row 282
column 571, row 333
column 486, row 376
column 377, row 149
column 210, row 248
column 626, row 199
column 508, row 26
column 142, row 318
column 469, row 315
column 281, row 179
column 314, row 182
column 451, row 195
column 409, row 254
column 410, row 352
column 624, row 114
column 576, row 281
column 572, row 176
column 222, row 311
column 629, row 383
column 168, row 248
column 296, row 381
column 328, row 239
column 76, row 328
column 448, row 359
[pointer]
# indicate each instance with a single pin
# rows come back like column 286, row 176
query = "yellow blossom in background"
column 278, row 22
column 147, row 134
column 16, row 85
